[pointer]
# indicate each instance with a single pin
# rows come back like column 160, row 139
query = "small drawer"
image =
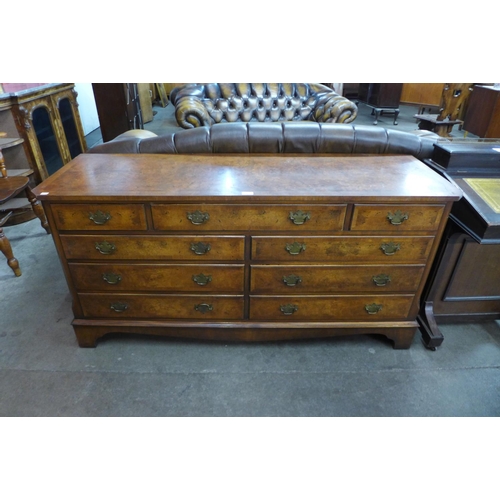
column 396, row 217
column 137, row 306
column 99, row 217
column 330, row 308
column 242, row 217
column 208, row 278
column 116, row 247
column 331, row 279
column 387, row 249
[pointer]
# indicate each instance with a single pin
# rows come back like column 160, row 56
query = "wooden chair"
column 10, row 187
column 451, row 111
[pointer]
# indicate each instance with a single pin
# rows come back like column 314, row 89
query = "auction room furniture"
column 465, row 281
column 451, row 112
column 382, row 98
column 425, row 95
column 48, row 120
column 483, row 112
column 10, row 187
column 246, row 247
column 208, row 103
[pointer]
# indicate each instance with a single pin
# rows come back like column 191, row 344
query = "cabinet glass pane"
column 47, row 140
column 69, row 125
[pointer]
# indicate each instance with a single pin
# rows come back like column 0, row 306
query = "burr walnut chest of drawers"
column 246, row 247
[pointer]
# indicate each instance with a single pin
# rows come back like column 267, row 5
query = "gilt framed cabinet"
column 48, row 120
column 246, row 247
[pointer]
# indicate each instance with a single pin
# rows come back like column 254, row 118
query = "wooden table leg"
column 6, row 249
column 37, row 209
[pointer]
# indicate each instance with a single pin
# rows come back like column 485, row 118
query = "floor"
column 43, row 372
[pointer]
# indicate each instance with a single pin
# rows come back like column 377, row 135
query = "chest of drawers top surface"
column 245, row 178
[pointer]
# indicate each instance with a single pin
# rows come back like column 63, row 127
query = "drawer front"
column 115, row 247
column 99, row 217
column 330, row 308
column 159, row 277
column 244, row 217
column 396, row 218
column 331, row 279
column 387, row 249
column 137, row 306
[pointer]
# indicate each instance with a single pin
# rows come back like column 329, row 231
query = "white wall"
column 87, row 107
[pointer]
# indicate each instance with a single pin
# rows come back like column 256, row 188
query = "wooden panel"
column 422, row 93
column 152, row 247
column 483, row 112
column 345, row 249
column 404, row 218
column 220, row 307
column 330, row 279
column 99, row 217
column 317, row 308
column 158, row 277
column 146, row 102
column 241, row 217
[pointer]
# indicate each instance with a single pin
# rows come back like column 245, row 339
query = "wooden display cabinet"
column 48, row 120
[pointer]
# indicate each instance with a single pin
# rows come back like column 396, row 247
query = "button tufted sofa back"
column 205, row 104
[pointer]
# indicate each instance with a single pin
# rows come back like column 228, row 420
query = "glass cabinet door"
column 69, row 126
column 47, row 139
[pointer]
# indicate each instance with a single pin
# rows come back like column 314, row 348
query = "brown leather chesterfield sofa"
column 274, row 138
column 208, row 103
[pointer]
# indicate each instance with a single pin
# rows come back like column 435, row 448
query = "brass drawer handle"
column 112, row 278
column 200, row 248
column 292, row 280
column 299, row 217
column 289, row 309
column 99, row 217
column 201, row 279
column 295, row 248
column 373, row 308
column 198, row 217
column 397, row 217
column 105, row 247
column 203, row 308
column 390, row 248
column 119, row 307
column 381, row 279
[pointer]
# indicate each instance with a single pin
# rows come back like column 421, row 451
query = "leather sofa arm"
column 334, row 108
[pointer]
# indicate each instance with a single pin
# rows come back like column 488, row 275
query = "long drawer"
column 112, row 247
column 320, row 279
column 396, row 218
column 208, row 278
column 242, row 217
column 330, row 308
column 386, row 249
column 99, row 216
column 142, row 306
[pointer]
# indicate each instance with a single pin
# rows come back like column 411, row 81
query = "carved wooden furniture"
column 464, row 284
column 483, row 112
column 451, row 112
column 382, row 98
column 48, row 120
column 246, row 247
column 11, row 187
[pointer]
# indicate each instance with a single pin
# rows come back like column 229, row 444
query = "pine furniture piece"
column 464, row 284
column 246, row 247
column 48, row 120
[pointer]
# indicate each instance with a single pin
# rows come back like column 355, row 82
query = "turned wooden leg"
column 37, row 208
column 7, row 251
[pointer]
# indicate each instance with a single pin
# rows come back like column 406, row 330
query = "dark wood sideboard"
column 246, row 247
column 464, row 284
